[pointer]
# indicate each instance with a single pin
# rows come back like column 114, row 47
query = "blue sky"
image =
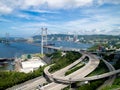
column 26, row 17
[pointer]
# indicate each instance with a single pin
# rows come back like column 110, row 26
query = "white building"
column 32, row 64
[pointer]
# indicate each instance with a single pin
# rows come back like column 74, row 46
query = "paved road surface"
column 88, row 68
column 61, row 72
column 110, row 79
column 32, row 84
column 78, row 75
column 29, row 85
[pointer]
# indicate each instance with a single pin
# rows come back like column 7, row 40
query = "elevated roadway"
column 62, row 48
column 29, row 85
column 96, row 77
column 81, row 77
column 61, row 72
column 111, row 78
column 84, row 71
column 78, row 75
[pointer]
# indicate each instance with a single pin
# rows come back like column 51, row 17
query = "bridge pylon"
column 7, row 38
column 43, row 38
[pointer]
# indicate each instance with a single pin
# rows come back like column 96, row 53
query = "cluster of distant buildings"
column 67, row 38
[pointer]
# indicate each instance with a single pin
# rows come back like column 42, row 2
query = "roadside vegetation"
column 93, row 85
column 116, row 83
column 117, row 45
column 102, row 68
column 11, row 78
column 56, row 54
column 102, row 47
column 117, row 64
column 96, row 47
column 62, row 61
column 78, row 66
column 114, row 86
column 39, row 55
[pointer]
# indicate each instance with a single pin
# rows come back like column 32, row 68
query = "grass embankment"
column 92, row 85
column 9, row 79
column 102, row 68
column 62, row 61
column 78, row 66
column 39, row 55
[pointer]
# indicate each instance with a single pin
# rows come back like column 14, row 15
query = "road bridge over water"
column 62, row 48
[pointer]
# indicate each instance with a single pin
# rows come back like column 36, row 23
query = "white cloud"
column 95, row 24
column 66, row 4
column 30, row 17
column 4, row 9
column 7, row 6
column 109, row 2
column 103, row 25
column 56, row 4
column 94, row 21
column 31, row 3
column 43, row 11
column 83, row 2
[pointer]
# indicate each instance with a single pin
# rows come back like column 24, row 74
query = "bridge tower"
column 43, row 38
column 7, row 38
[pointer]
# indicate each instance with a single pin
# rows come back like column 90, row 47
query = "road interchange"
column 81, row 77
column 78, row 75
column 84, row 71
column 111, row 79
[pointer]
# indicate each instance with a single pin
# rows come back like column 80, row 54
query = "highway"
column 96, row 77
column 81, row 73
column 29, row 85
column 61, row 72
column 78, row 75
column 62, row 48
column 110, row 79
